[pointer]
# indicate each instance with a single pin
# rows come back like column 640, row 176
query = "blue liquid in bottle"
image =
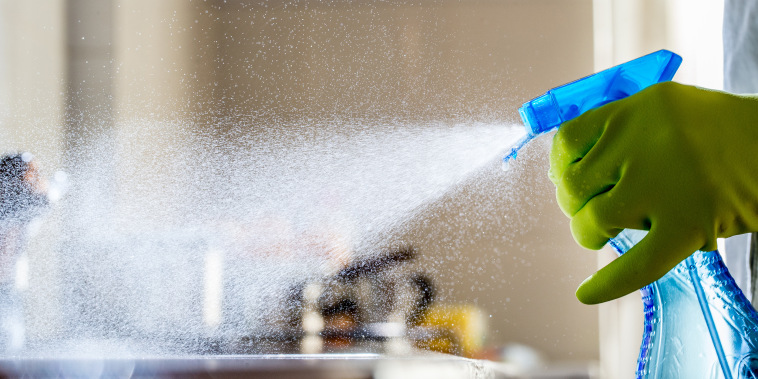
column 698, row 323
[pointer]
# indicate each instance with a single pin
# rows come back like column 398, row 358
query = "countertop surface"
column 285, row 366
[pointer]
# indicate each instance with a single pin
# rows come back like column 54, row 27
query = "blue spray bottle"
column 698, row 323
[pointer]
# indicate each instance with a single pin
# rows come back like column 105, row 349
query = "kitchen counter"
column 284, row 366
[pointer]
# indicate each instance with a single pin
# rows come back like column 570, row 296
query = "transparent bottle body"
column 677, row 340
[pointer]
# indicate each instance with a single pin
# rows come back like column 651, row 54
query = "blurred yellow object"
column 452, row 329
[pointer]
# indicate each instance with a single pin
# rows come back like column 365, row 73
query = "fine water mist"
column 196, row 242
column 212, row 162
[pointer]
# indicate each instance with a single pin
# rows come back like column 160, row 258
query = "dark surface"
column 338, row 366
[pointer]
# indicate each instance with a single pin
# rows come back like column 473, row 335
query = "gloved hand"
column 677, row 160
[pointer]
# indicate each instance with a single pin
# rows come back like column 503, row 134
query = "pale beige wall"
column 32, row 69
column 472, row 60
column 445, row 61
column 32, row 82
column 161, row 70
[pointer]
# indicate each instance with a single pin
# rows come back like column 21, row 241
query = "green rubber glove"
column 679, row 161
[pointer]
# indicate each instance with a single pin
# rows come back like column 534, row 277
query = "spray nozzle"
column 558, row 105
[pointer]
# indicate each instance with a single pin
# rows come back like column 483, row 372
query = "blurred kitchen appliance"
column 370, row 305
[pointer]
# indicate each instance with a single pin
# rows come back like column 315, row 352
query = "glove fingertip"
column 590, row 292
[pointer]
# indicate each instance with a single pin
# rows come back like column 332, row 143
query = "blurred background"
column 229, row 169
